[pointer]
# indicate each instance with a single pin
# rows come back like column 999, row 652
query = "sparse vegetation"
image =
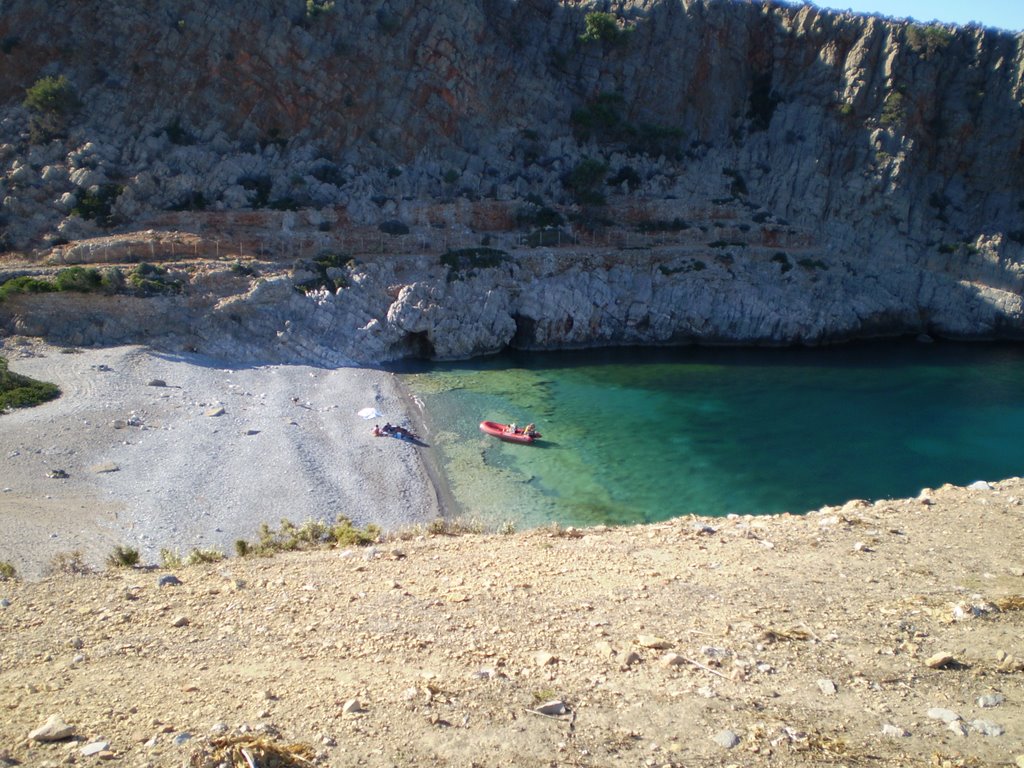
column 17, row 391
column 123, row 557
column 600, row 27
column 928, row 39
column 317, row 7
column 463, row 260
column 151, row 280
column 584, row 181
column 170, row 559
column 892, row 109
column 7, row 571
column 783, row 261
column 52, row 101
column 97, row 205
column 69, row 563
column 204, row 556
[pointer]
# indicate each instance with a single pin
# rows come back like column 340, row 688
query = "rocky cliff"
column 536, row 173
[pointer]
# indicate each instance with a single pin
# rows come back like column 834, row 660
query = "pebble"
column 218, row 411
column 630, row 659
column 168, row 580
column 54, row 729
column 604, row 648
column 958, row 727
column 991, row 700
column 980, row 485
column 181, row 738
column 827, row 687
column 894, row 731
column 652, row 641
column 180, row 621
column 156, row 383
column 94, row 748
column 727, row 739
column 939, row 660
column 987, row 728
column 352, row 707
column 945, row 715
column 5, row 603
column 544, row 659
column 553, row 707
column 672, row 660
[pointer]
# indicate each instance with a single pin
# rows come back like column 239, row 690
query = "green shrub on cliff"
column 17, row 391
column 600, row 27
column 52, row 101
column 928, row 39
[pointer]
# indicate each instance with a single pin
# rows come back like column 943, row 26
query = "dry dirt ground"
column 886, row 634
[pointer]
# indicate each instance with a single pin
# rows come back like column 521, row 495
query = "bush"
column 17, row 391
column 197, row 556
column 929, row 39
column 82, row 279
column 98, row 205
column 70, row 563
column 51, row 96
column 149, row 280
column 584, row 181
column 892, row 109
column 604, row 28
column 25, row 284
column 7, row 571
column 123, row 557
column 345, row 534
column 169, row 558
column 52, row 101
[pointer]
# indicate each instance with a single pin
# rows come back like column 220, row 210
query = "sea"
column 641, row 435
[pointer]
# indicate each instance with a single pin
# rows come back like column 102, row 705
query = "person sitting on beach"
column 388, row 429
column 376, row 431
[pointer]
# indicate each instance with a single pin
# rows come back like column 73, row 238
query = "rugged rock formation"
column 722, row 171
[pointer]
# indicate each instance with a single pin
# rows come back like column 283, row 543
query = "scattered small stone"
column 218, row 729
column 94, row 748
column 54, row 729
column 181, row 621
column 217, row 411
column 860, row 546
column 827, row 687
column 945, row 715
column 604, row 648
column 991, row 700
column 652, row 641
column 5, row 603
column 671, row 659
column 980, row 485
column 958, row 727
column 156, row 383
column 894, row 731
column 940, row 661
column 105, row 467
column 553, row 707
column 57, row 474
column 987, row 728
column 352, row 707
column 631, row 658
column 251, row 432
column 544, row 659
column 727, row 739
column 181, row 738
column 168, row 580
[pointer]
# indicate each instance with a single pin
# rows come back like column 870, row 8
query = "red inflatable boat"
column 506, row 432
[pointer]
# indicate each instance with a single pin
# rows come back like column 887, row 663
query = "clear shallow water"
column 644, row 435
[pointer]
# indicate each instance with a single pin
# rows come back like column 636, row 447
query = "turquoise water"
column 645, row 435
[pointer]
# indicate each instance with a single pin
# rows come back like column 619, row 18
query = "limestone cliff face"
column 822, row 175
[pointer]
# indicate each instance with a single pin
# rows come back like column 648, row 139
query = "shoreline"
column 448, row 507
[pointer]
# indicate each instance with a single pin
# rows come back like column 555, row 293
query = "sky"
column 1004, row 14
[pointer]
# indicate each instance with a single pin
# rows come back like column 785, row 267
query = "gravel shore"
column 185, row 452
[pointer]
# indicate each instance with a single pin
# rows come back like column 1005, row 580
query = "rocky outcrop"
column 789, row 174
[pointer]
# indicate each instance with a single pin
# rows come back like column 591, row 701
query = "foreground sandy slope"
column 797, row 641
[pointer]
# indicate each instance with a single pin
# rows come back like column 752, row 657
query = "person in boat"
column 529, row 429
column 511, row 428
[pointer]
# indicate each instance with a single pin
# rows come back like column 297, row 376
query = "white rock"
column 94, row 748
column 894, row 731
column 987, row 728
column 827, row 687
column 945, row 715
column 54, row 729
column 991, row 700
column 727, row 739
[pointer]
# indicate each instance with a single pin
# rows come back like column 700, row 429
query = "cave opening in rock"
column 416, row 346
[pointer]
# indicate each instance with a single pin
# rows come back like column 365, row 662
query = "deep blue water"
column 642, row 435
